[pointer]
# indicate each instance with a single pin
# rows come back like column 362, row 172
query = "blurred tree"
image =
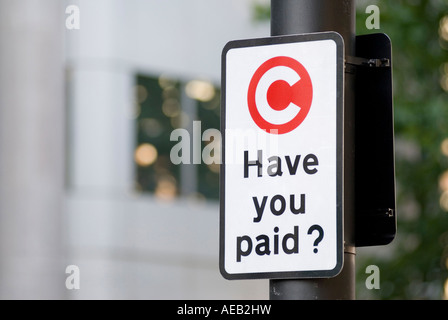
column 416, row 263
column 417, row 266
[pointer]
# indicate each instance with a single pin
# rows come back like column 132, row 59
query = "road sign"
column 281, row 178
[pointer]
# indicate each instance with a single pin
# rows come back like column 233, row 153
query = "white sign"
column 281, row 178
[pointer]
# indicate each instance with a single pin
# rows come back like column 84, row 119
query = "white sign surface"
column 281, row 179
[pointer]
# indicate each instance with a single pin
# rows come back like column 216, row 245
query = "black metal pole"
column 307, row 16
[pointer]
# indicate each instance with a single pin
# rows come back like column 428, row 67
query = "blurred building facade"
column 136, row 225
column 87, row 184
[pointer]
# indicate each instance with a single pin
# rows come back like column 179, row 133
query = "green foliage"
column 416, row 263
column 261, row 12
column 417, row 266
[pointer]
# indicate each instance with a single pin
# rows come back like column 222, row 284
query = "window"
column 163, row 105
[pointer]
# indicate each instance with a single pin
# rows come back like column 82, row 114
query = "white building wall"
column 127, row 244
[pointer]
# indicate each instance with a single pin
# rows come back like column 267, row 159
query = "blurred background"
column 90, row 92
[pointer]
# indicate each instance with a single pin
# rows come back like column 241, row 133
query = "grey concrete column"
column 31, row 149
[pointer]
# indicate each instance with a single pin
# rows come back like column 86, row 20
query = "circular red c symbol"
column 280, row 94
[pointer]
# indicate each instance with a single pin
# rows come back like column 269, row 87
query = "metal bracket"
column 372, row 63
column 351, row 63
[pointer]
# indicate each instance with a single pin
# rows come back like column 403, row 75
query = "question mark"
column 319, row 238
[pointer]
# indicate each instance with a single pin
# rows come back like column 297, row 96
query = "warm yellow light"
column 445, row 290
column 166, row 81
column 444, row 82
column 443, row 181
column 200, row 90
column 141, row 93
column 170, row 92
column 136, row 111
column 180, row 121
column 171, row 107
column 444, row 147
column 444, row 201
column 443, row 28
column 166, row 189
column 151, row 127
column 444, row 68
column 145, row 154
column 214, row 167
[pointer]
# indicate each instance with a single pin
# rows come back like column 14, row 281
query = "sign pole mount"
column 298, row 17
